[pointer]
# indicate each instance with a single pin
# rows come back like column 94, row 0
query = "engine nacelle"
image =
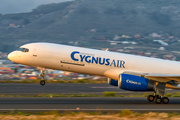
column 135, row 83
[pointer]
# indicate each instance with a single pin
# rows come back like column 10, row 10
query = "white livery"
column 129, row 72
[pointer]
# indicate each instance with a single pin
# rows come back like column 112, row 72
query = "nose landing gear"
column 42, row 75
column 42, row 82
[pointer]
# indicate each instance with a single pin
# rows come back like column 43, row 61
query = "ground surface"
column 87, row 104
column 22, row 88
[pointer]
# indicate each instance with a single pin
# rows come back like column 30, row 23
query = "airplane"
column 128, row 72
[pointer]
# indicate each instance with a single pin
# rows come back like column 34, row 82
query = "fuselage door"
column 35, row 52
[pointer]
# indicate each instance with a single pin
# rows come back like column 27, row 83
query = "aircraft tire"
column 42, row 82
column 165, row 100
column 150, row 98
column 158, row 100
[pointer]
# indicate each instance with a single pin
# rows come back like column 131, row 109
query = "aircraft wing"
column 156, row 77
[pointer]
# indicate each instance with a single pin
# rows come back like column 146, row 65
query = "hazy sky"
column 19, row 6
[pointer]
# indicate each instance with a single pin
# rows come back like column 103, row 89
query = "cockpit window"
column 26, row 50
column 23, row 49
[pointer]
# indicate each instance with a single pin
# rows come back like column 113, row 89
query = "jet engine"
column 133, row 83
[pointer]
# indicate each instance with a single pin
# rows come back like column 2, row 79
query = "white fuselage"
column 90, row 61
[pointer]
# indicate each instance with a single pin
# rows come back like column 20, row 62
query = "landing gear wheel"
column 165, row 100
column 158, row 100
column 42, row 82
column 150, row 98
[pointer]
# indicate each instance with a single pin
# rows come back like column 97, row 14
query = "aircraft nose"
column 12, row 56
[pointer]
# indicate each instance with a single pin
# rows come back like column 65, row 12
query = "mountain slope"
column 71, row 21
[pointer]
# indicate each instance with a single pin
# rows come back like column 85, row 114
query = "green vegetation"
column 48, row 8
column 103, row 94
column 125, row 112
column 58, row 81
column 177, row 94
column 109, row 94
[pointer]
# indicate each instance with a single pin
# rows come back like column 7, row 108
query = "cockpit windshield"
column 23, row 49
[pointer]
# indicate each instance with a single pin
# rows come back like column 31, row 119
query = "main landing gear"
column 42, row 75
column 158, row 98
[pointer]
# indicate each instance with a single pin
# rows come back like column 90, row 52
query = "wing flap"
column 159, row 79
column 162, row 75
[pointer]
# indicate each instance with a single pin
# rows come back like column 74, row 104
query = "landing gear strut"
column 158, row 98
column 42, row 75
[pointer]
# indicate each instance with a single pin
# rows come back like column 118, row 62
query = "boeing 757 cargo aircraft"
column 128, row 72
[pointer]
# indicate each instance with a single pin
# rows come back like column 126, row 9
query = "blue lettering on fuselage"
column 107, row 62
column 97, row 60
column 72, row 55
column 88, row 60
column 82, row 57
